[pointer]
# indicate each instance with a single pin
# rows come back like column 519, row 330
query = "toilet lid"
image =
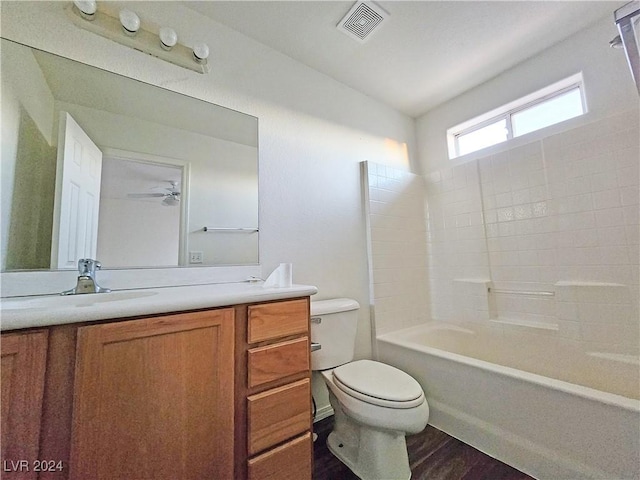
column 379, row 384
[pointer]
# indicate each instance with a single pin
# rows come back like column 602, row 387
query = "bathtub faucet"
column 87, row 283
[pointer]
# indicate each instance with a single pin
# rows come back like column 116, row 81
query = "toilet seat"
column 378, row 384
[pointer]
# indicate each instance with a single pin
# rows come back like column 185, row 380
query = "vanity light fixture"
column 125, row 27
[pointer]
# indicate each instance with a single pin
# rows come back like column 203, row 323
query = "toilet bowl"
column 382, row 408
column 375, row 404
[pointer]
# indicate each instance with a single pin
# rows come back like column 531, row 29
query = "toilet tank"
column 333, row 325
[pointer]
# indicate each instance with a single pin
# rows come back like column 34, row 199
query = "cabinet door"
column 24, row 357
column 153, row 398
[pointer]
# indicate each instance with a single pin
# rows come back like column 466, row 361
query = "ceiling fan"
column 170, row 198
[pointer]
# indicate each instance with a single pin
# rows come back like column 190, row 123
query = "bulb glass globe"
column 130, row 21
column 168, row 38
column 201, row 52
column 87, row 8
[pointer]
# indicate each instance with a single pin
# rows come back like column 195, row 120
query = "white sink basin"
column 70, row 301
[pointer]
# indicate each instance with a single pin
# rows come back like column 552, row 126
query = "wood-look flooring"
column 433, row 455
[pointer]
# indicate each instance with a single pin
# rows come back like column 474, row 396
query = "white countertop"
column 43, row 311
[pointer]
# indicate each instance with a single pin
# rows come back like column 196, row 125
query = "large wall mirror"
column 98, row 165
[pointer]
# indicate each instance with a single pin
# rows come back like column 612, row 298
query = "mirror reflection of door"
column 77, row 196
column 142, row 200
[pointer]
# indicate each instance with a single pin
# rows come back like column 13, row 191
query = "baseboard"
column 323, row 413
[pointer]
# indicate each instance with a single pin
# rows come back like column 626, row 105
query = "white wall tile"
column 630, row 195
column 628, row 176
column 398, row 246
column 607, row 199
column 631, row 215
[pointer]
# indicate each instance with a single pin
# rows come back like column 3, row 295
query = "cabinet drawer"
column 272, row 362
column 278, row 414
column 291, row 461
column 276, row 320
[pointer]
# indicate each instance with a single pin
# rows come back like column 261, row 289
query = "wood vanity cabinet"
column 23, row 369
column 219, row 394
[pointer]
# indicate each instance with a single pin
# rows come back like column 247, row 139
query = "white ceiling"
column 425, row 53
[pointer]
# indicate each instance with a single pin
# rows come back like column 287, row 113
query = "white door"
column 77, row 197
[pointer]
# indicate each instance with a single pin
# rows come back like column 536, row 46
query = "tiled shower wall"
column 551, row 227
column 397, row 247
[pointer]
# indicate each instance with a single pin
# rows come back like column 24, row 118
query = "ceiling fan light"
column 170, row 201
column 616, row 42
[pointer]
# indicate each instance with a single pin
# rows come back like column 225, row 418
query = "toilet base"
column 370, row 453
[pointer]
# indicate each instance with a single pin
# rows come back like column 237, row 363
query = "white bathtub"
column 553, row 413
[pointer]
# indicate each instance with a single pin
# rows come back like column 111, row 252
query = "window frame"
column 507, row 111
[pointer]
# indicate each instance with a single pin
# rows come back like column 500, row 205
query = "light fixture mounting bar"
column 145, row 41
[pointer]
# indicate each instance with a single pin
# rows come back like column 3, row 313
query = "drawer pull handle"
column 316, row 319
column 315, row 346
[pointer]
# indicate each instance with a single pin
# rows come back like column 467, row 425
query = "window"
column 484, row 136
column 554, row 104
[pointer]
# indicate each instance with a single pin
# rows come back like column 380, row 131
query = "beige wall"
column 28, row 163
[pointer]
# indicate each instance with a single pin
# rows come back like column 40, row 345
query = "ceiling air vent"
column 362, row 21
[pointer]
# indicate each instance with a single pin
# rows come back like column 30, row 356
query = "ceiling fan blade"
column 173, row 187
column 146, row 195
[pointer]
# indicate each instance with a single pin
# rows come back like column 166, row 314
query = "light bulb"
column 201, row 52
column 168, row 38
column 87, row 8
column 130, row 21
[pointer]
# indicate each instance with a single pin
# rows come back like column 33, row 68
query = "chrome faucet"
column 87, row 279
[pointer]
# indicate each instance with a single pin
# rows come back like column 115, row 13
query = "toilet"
column 375, row 404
